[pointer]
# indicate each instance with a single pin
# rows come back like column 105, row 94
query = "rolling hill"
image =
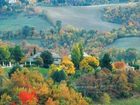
column 87, row 17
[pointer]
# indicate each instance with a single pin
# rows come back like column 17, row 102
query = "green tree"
column 58, row 26
column 16, row 53
column 105, row 99
column 14, row 68
column 26, row 31
column 2, row 3
column 77, row 54
column 47, row 58
column 34, row 51
column 58, row 76
column 4, row 53
column 106, row 61
column 131, row 56
column 39, row 61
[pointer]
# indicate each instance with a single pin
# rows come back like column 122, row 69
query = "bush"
column 15, row 68
column 105, row 99
column 137, row 84
column 58, row 76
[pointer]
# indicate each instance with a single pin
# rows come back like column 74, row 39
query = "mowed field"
column 15, row 22
column 129, row 101
column 81, row 17
column 87, row 17
column 125, row 43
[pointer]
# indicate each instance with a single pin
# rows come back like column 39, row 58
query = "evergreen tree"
column 47, row 58
column 58, row 76
column 77, row 54
column 106, row 61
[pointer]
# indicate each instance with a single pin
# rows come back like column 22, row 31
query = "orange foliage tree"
column 28, row 98
column 120, row 65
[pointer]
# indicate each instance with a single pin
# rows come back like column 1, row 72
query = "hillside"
column 87, row 17
column 17, row 21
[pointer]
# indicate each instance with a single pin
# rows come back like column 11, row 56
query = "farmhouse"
column 31, row 60
column 12, row 1
column 5, row 64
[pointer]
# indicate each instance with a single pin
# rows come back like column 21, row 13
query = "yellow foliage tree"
column 89, row 63
column 68, row 66
column 31, row 86
column 50, row 102
column 67, row 96
column 105, row 99
column 5, row 99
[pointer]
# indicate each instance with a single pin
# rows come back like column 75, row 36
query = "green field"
column 86, row 17
column 130, row 101
column 15, row 22
column 43, row 71
column 130, row 42
column 30, row 41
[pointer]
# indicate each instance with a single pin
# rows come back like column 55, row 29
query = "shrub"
column 58, row 76
column 105, row 99
column 137, row 84
column 15, row 68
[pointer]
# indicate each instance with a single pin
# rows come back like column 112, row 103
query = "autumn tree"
column 105, row 99
column 68, row 65
column 27, row 98
column 31, row 88
column 5, row 99
column 89, row 63
column 119, row 65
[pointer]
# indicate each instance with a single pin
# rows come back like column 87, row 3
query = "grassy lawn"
column 43, row 71
column 6, row 70
column 130, row 101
